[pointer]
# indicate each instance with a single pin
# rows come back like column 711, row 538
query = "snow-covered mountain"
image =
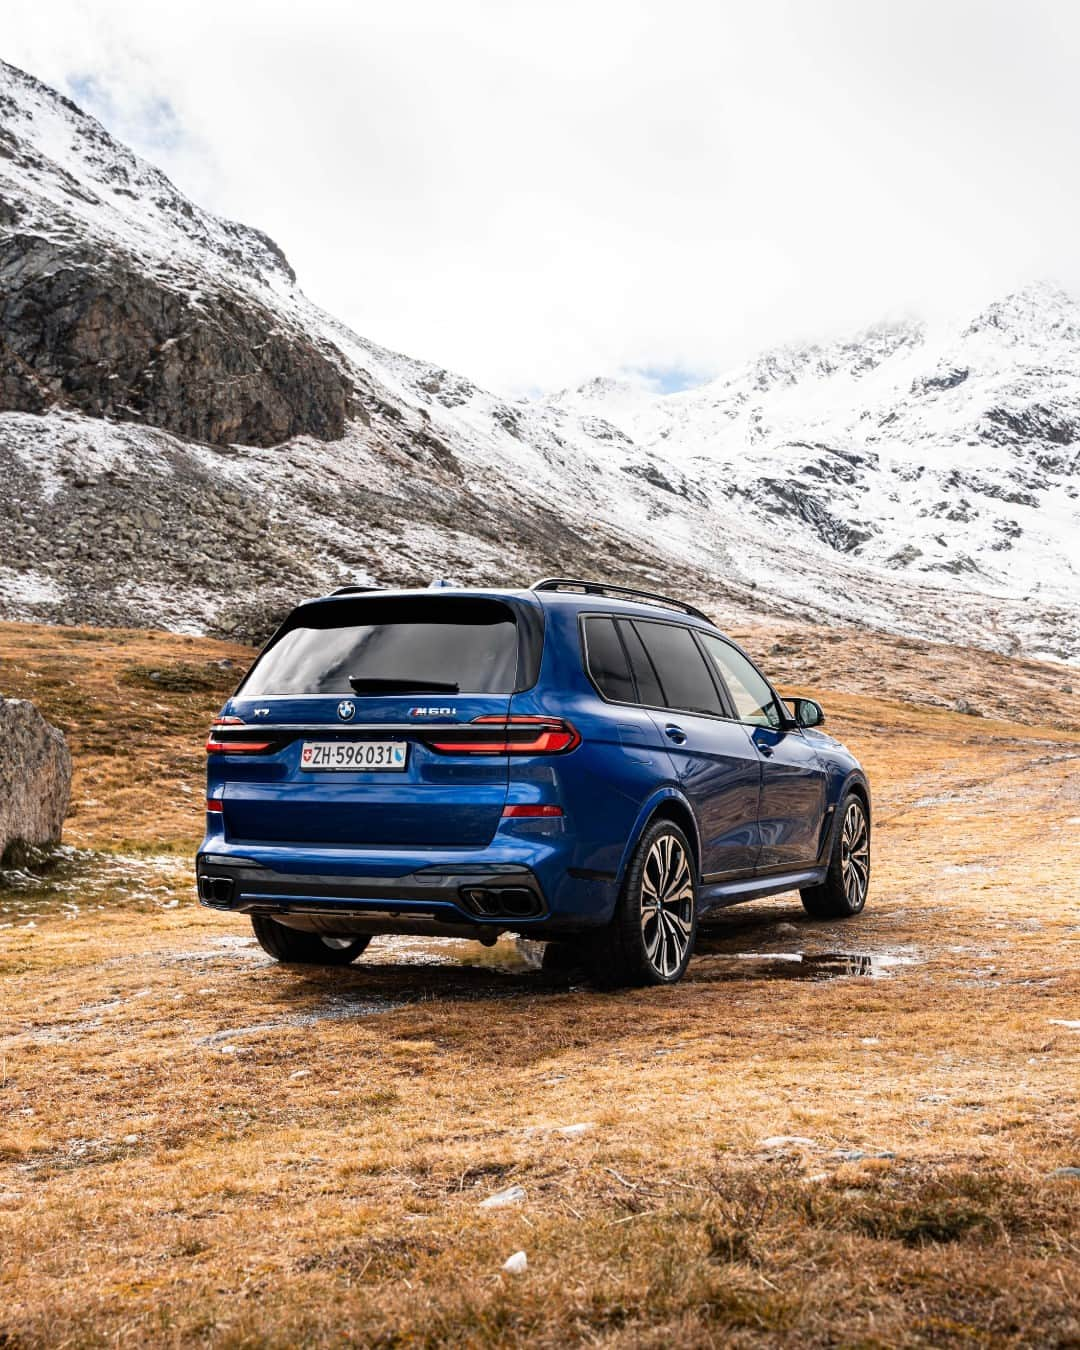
column 186, row 440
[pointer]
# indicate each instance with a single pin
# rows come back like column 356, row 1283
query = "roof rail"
column 356, row 590
column 616, row 593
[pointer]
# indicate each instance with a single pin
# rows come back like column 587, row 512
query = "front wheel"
column 847, row 881
column 651, row 937
column 293, row 946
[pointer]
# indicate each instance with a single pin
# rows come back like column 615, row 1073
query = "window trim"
column 725, row 701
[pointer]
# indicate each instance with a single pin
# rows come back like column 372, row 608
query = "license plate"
column 359, row 756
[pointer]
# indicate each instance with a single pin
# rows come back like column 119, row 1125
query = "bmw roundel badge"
column 346, row 710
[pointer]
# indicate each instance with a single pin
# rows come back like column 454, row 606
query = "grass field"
column 867, row 1146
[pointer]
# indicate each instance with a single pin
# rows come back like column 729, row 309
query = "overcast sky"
column 533, row 194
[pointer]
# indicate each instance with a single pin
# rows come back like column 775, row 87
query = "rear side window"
column 606, row 661
column 684, row 676
column 468, row 643
column 648, row 686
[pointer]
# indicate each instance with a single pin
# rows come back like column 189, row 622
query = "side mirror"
column 807, row 712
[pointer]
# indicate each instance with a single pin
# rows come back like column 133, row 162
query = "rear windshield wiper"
column 361, row 685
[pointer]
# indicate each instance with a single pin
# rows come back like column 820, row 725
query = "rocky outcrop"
column 97, row 334
column 35, row 778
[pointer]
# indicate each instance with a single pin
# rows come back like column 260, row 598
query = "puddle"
column 796, row 966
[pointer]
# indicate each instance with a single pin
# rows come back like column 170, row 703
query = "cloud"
column 534, row 195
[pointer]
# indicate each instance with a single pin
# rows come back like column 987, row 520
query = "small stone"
column 300, row 1073
column 787, row 1141
column 576, row 1131
column 516, row 1264
column 1066, row 1172
column 131, row 1138
column 513, row 1195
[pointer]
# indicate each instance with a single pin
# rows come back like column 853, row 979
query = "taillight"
column 516, row 736
column 235, row 747
column 214, row 804
column 216, row 747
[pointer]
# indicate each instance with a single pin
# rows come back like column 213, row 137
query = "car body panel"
column 792, row 800
column 720, row 773
column 398, row 852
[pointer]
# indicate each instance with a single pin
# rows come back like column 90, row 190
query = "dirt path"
column 849, row 1133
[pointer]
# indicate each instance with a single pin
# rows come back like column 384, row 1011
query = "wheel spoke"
column 680, row 881
column 652, row 942
column 680, row 926
column 672, row 953
column 654, row 863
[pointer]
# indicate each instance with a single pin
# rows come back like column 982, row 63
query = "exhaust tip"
column 218, row 891
column 502, row 902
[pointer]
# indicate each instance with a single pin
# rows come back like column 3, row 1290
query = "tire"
column 843, row 892
column 294, row 947
column 650, row 939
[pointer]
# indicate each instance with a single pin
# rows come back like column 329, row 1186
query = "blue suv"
column 578, row 762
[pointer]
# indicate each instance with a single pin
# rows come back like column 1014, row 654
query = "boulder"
column 35, row 778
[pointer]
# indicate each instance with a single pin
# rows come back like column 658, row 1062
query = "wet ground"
column 846, row 1133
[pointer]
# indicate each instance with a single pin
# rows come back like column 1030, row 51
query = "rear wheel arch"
column 678, row 811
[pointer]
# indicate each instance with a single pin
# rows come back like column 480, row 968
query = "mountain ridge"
column 200, row 445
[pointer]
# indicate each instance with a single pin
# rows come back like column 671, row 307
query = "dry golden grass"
column 199, row 1147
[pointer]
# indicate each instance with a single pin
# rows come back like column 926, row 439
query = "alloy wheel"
column 667, row 905
column 855, row 855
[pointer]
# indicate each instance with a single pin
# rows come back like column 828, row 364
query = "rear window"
column 681, row 667
column 470, row 643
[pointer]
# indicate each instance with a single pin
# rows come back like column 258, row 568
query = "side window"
column 606, row 660
column 681, row 667
column 751, row 695
column 648, row 686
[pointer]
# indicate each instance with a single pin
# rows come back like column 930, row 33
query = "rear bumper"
column 398, row 891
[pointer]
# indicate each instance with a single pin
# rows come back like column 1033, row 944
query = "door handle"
column 766, row 750
column 674, row 733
